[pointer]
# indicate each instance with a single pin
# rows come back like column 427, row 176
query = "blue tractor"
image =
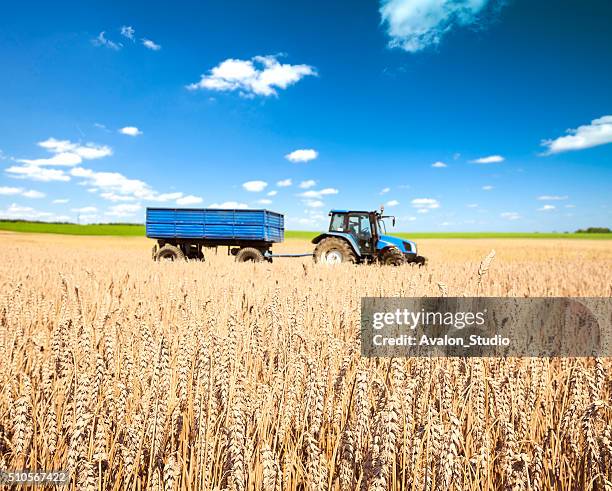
column 361, row 237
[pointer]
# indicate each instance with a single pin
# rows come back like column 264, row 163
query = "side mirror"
column 393, row 221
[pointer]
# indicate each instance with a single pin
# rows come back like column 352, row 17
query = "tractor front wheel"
column 392, row 257
column 334, row 251
column 420, row 260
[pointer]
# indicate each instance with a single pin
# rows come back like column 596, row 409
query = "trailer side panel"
column 215, row 224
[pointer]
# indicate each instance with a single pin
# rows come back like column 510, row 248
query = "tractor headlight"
column 408, row 246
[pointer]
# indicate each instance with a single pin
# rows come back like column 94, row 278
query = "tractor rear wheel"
column 392, row 257
column 169, row 253
column 334, row 251
column 249, row 254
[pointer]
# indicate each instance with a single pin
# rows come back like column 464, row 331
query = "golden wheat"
column 136, row 375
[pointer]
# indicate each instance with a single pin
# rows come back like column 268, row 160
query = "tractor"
column 361, row 237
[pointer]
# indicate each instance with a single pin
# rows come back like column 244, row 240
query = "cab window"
column 337, row 223
column 359, row 226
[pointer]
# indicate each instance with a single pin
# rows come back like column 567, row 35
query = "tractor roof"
column 349, row 211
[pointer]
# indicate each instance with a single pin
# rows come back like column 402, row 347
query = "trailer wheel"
column 334, row 251
column 249, row 254
column 169, row 253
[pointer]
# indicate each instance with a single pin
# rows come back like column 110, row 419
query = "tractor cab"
column 362, row 226
column 361, row 236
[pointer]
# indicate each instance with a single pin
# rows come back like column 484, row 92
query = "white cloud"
column 308, row 184
column 510, row 215
column 598, row 132
column 314, row 203
column 228, row 205
column 547, row 197
column 255, row 186
column 318, row 194
column 152, row 45
column 425, row 204
column 67, row 153
column 128, row 32
column 189, row 200
column 60, row 201
column 113, row 182
column 10, row 191
column 67, row 159
column 101, row 40
column 488, row 187
column 423, row 210
column 472, row 205
column 393, row 202
column 91, row 151
column 123, row 210
column 413, row 25
column 439, row 165
column 302, row 155
column 259, row 76
column 163, row 197
column 547, row 208
column 56, row 146
column 265, row 201
column 491, row 159
column 314, row 217
column 36, row 173
column 18, row 212
column 407, row 219
column 274, row 192
column 385, row 190
column 85, row 209
column 112, row 186
column 284, row 183
column 570, row 206
column 117, row 187
column 110, row 196
column 130, row 131
column 33, row 194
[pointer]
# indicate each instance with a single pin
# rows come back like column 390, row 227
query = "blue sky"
column 457, row 115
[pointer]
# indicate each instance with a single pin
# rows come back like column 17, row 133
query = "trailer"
column 182, row 233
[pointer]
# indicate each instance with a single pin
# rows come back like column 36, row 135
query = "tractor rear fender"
column 348, row 237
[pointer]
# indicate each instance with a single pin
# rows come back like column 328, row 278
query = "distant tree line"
column 20, row 220
column 594, row 230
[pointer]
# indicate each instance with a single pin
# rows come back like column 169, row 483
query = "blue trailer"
column 184, row 233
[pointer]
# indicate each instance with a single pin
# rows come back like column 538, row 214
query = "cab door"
column 358, row 225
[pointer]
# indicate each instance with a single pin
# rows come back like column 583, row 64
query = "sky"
column 456, row 115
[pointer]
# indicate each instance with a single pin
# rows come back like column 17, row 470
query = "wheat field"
column 131, row 374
